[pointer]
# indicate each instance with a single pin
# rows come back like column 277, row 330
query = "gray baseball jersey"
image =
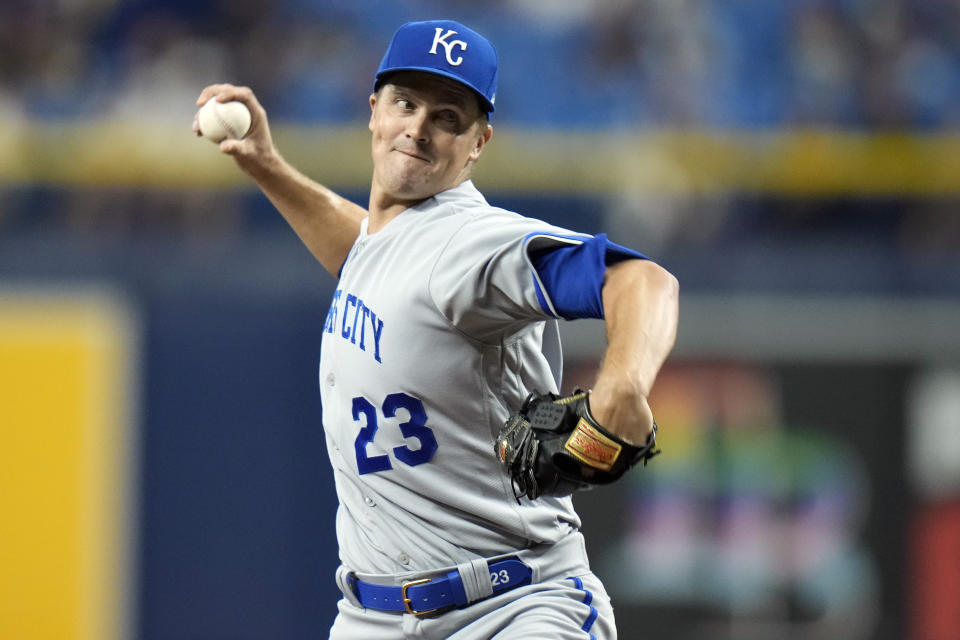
column 437, row 331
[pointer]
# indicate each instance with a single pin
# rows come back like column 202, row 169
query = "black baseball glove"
column 553, row 446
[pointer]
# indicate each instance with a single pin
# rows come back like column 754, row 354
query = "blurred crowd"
column 730, row 63
column 569, row 65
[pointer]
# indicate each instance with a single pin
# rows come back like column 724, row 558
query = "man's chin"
column 412, row 187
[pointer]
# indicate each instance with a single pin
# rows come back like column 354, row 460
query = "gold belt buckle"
column 407, row 602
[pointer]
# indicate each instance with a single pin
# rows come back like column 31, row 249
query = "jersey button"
column 404, row 558
column 369, row 501
column 330, row 380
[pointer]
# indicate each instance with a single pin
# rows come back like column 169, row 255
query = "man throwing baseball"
column 453, row 454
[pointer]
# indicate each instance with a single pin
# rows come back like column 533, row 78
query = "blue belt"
column 431, row 595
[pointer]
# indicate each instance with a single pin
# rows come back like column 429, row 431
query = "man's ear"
column 373, row 103
column 486, row 132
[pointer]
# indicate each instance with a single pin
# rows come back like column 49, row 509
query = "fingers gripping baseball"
column 255, row 149
column 554, row 446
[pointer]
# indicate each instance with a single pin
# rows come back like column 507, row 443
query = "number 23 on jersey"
column 414, row 428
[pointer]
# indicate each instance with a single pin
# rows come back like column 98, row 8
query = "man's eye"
column 404, row 103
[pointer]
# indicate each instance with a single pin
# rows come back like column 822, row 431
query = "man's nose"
column 418, row 128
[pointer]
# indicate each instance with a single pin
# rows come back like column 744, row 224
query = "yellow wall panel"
column 674, row 162
column 66, row 384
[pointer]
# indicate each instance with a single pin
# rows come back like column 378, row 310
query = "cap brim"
column 437, row 72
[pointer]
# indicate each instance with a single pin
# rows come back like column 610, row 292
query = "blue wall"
column 237, row 518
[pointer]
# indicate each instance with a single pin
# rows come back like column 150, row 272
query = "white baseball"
column 220, row 120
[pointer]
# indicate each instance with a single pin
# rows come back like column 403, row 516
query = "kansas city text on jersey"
column 355, row 315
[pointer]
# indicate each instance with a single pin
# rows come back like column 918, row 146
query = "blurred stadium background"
column 796, row 163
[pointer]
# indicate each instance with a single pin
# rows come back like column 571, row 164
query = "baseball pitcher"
column 454, row 452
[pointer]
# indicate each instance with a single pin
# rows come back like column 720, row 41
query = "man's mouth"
column 413, row 154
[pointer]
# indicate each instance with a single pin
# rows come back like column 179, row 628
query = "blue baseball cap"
column 445, row 48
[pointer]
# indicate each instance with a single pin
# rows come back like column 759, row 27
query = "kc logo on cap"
column 437, row 39
column 445, row 48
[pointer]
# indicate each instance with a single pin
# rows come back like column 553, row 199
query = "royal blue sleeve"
column 572, row 274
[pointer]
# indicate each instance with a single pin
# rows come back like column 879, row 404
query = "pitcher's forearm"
column 325, row 222
column 640, row 311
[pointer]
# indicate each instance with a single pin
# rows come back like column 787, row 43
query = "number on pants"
column 415, row 427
